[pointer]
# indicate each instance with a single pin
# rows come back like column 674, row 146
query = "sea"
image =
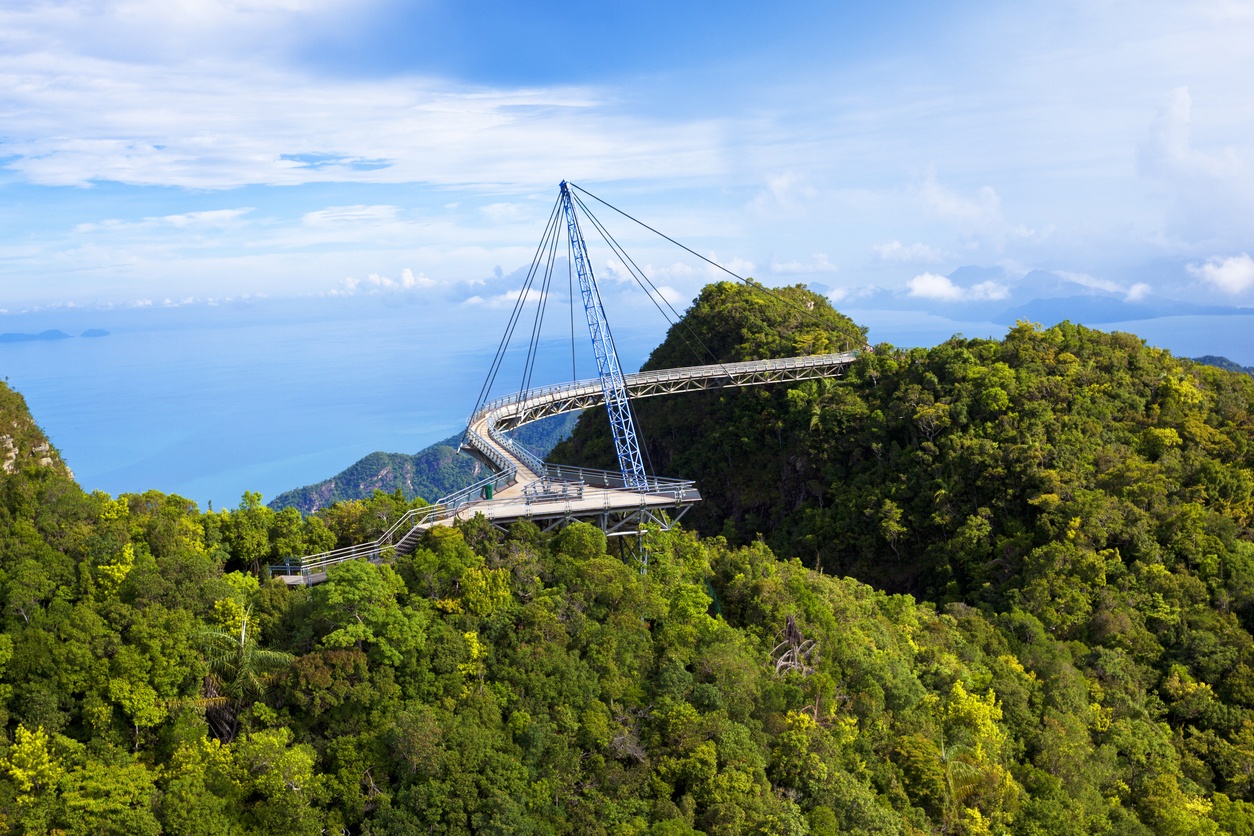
column 268, row 395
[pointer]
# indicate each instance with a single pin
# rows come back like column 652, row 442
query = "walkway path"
column 523, row 486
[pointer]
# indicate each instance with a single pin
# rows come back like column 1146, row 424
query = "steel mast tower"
column 617, row 405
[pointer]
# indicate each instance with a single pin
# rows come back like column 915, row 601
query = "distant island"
column 51, row 334
column 25, row 338
column 1224, row 363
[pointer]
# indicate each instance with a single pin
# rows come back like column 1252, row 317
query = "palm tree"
column 240, row 672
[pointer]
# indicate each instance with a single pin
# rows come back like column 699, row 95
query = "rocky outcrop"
column 22, row 444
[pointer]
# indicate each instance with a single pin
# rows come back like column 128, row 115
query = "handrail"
column 498, row 447
column 593, row 385
column 443, row 508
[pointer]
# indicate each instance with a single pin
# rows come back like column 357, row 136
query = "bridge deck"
column 591, row 494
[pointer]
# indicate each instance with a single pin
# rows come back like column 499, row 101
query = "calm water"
column 208, row 403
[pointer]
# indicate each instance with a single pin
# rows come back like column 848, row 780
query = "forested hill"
column 435, row 471
column 431, row 473
column 1224, row 363
column 1072, row 508
column 945, row 471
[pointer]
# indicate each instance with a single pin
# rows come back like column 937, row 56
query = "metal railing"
column 530, row 405
column 552, row 490
column 443, row 509
column 608, row 485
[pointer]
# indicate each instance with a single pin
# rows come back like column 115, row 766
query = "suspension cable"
column 803, row 311
column 519, row 303
column 533, row 348
column 642, row 279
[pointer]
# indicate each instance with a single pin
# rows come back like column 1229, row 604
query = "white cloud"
column 184, row 221
column 508, row 212
column 736, row 265
column 1209, row 189
column 409, row 280
column 676, row 270
column 970, row 215
column 350, row 215
column 1085, row 280
column 1138, row 292
column 818, row 263
column 1232, row 275
column 73, row 117
column 506, row 299
column 671, row 295
column 942, row 289
column 375, row 283
column 897, row 251
column 852, row 294
column 213, row 217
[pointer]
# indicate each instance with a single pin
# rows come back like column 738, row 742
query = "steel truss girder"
column 542, row 403
column 613, row 523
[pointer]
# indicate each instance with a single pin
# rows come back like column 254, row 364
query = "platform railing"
column 443, row 509
column 498, row 447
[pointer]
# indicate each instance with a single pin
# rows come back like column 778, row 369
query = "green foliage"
column 1073, row 508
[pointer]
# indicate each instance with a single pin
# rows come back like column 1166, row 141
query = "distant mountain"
column 94, row 332
column 438, row 470
column 1098, row 310
column 1224, row 363
column 43, row 335
column 431, row 473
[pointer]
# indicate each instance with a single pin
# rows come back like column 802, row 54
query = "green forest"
column 992, row 587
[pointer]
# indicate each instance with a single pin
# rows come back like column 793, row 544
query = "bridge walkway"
column 523, row 486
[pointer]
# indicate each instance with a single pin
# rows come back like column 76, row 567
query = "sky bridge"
column 520, row 485
column 524, row 487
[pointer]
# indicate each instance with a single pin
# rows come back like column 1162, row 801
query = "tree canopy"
column 1001, row 587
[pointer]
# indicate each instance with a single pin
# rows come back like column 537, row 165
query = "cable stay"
column 564, row 217
column 520, row 484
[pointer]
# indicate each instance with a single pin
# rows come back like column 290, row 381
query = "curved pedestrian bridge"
column 524, row 487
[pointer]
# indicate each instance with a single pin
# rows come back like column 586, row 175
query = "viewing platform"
column 524, row 487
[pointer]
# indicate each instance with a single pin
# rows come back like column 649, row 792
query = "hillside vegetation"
column 431, row 473
column 1070, row 509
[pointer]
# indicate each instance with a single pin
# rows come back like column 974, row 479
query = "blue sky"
column 158, row 152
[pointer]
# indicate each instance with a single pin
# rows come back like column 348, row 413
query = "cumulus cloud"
column 409, row 280
column 506, row 299
column 897, row 251
column 942, row 289
column 375, row 283
column 1138, row 291
column 671, row 295
column 788, row 192
column 1209, row 189
column 1232, row 275
column 675, row 270
column 739, row 266
column 981, row 213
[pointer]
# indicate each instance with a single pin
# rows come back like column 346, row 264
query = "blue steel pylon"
column 608, row 369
